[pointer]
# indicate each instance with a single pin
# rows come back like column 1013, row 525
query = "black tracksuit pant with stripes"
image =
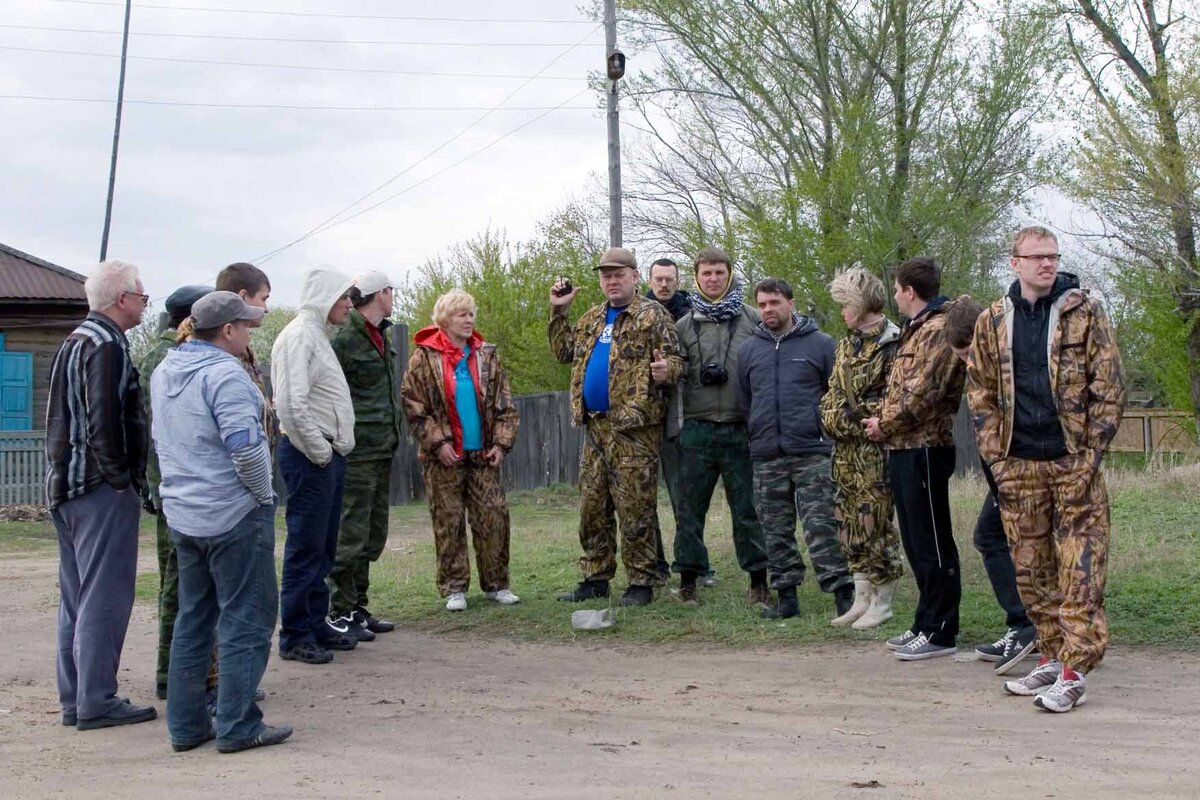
column 920, row 480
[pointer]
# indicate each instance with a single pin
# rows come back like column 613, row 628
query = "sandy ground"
column 416, row 716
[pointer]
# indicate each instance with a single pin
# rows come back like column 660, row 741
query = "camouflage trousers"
column 864, row 512
column 362, row 535
column 712, row 451
column 788, row 486
column 618, row 479
column 470, row 490
column 1056, row 519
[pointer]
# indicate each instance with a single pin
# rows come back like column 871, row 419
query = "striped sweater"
column 95, row 428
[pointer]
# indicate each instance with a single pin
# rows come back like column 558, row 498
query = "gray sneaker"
column 898, row 642
column 1043, row 676
column 922, row 648
column 1063, row 695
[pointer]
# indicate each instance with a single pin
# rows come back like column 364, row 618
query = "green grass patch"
column 1153, row 593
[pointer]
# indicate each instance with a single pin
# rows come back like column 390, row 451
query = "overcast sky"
column 199, row 187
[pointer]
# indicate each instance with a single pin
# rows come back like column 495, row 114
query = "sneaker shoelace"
column 1003, row 642
column 917, row 643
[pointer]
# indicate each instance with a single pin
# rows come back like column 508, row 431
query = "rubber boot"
column 881, row 607
column 787, row 607
column 863, row 595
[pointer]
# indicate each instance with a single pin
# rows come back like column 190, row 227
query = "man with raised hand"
column 1047, row 392
column 624, row 354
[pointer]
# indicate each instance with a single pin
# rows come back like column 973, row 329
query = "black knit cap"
column 179, row 302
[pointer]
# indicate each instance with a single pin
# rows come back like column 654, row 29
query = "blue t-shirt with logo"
column 466, row 404
column 595, row 377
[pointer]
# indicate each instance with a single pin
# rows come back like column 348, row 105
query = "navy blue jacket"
column 780, row 384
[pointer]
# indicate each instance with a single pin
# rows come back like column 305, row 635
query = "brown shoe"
column 687, row 595
column 759, row 596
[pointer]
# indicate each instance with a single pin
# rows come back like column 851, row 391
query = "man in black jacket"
column 782, row 373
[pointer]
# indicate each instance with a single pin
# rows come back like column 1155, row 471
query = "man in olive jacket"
column 364, row 349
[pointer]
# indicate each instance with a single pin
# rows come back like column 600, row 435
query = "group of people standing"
column 192, row 433
column 843, row 434
column 706, row 386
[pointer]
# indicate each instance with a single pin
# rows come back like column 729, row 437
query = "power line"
column 287, row 107
column 228, row 37
column 366, row 70
column 421, row 182
column 327, row 222
column 333, row 16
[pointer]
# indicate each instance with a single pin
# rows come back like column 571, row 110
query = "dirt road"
column 416, row 716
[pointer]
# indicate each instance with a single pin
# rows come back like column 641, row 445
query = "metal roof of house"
column 26, row 277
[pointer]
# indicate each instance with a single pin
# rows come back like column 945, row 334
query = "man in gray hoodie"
column 217, row 497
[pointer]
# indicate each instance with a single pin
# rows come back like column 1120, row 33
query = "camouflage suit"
column 471, row 488
column 619, row 463
column 1055, row 512
column 864, row 495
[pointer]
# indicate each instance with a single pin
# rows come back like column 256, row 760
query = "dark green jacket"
column 372, row 381
column 163, row 343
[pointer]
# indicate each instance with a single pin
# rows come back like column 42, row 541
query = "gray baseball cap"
column 219, row 308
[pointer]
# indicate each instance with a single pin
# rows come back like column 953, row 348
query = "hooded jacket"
column 205, row 407
column 1083, row 370
column 371, row 376
column 779, row 387
column 643, row 327
column 705, row 342
column 925, row 386
column 312, row 398
column 429, row 390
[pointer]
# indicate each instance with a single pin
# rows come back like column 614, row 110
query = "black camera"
column 713, row 375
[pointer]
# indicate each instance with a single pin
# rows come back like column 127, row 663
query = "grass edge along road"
column 1153, row 594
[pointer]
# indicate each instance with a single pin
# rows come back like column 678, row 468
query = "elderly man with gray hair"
column 96, row 457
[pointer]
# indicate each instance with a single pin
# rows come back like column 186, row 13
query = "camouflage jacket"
column 925, row 386
column 146, row 366
column 643, row 327
column 1085, row 373
column 423, row 392
column 860, row 374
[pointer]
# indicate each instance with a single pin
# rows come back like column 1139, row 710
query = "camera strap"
column 731, row 325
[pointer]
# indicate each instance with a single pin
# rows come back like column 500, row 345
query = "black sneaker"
column 373, row 624
column 1018, row 646
column 586, row 590
column 269, row 736
column 637, row 596
column 334, row 634
column 352, row 627
column 124, row 714
column 306, row 653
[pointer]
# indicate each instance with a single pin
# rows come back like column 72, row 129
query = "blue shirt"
column 595, row 377
column 467, row 404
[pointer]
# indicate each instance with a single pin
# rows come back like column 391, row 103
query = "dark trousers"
column 314, row 511
column 920, row 480
column 992, row 545
column 226, row 584
column 97, row 549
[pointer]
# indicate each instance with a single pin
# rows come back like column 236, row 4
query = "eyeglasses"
column 145, row 298
column 1054, row 257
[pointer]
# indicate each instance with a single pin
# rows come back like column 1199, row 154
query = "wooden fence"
column 22, row 468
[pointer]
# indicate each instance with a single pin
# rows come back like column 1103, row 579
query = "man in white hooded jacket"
column 316, row 418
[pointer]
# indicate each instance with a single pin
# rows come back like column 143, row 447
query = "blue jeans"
column 226, row 583
column 314, row 512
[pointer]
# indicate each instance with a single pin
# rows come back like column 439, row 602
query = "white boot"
column 863, row 595
column 881, row 607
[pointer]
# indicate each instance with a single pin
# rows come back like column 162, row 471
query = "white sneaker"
column 504, row 597
column 1063, row 695
column 456, row 602
column 1043, row 676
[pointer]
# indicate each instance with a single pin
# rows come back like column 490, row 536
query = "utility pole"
column 615, row 63
column 112, row 169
